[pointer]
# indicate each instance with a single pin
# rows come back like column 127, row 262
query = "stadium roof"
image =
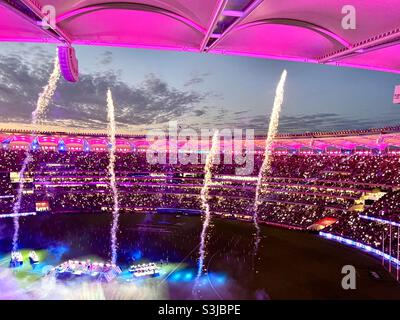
column 300, row 30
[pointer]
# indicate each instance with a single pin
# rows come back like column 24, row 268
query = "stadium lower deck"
column 304, row 190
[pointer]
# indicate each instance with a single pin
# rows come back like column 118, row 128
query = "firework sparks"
column 38, row 116
column 266, row 165
column 111, row 171
column 205, row 205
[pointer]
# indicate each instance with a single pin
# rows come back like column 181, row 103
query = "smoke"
column 49, row 288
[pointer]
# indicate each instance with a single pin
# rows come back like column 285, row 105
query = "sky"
column 198, row 90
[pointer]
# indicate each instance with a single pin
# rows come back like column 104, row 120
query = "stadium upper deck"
column 371, row 140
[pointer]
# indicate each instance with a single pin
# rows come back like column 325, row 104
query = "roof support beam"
column 60, row 34
column 245, row 14
column 28, row 15
column 221, row 4
column 232, row 13
column 378, row 42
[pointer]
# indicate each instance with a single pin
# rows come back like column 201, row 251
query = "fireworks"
column 111, row 171
column 266, row 165
column 204, row 201
column 17, row 203
column 37, row 117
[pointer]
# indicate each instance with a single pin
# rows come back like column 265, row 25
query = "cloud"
column 196, row 79
column 199, row 113
column 106, row 58
column 315, row 122
column 83, row 105
column 151, row 102
column 148, row 104
column 21, row 81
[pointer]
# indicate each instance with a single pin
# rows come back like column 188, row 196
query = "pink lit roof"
column 97, row 142
column 122, row 143
column 139, row 143
column 300, row 30
column 373, row 139
column 48, row 140
column 69, row 141
column 21, row 140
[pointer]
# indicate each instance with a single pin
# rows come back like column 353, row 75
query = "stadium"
column 337, row 185
column 109, row 214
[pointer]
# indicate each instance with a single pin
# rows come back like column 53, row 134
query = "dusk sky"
column 197, row 90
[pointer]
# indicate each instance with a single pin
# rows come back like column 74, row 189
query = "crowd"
column 299, row 189
column 387, row 208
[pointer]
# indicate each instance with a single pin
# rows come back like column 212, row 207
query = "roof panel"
column 306, row 30
column 14, row 27
column 139, row 28
column 277, row 40
column 198, row 11
column 372, row 17
column 386, row 58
